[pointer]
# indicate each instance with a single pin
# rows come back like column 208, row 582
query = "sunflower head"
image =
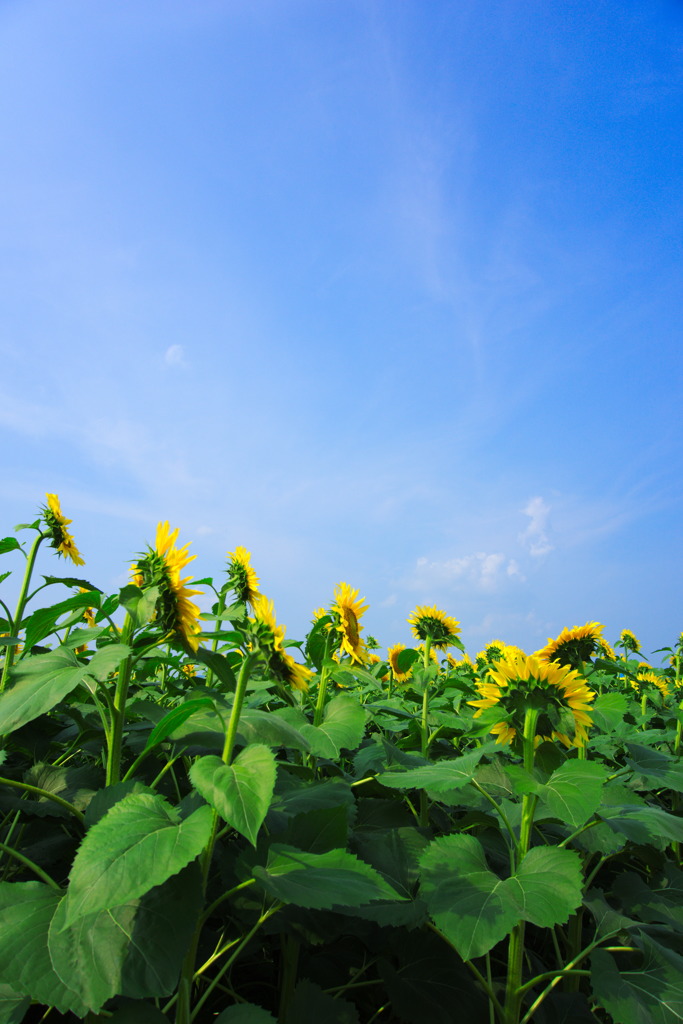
column 57, row 523
column 558, row 693
column 628, row 641
column 347, row 611
column 269, row 636
column 573, row 646
column 605, row 650
column 646, row 677
column 434, row 625
column 160, row 567
column 241, row 576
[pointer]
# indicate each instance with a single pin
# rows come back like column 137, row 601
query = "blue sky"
column 385, row 291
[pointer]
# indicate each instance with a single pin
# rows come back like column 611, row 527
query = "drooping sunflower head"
column 628, row 641
column 241, row 576
column 573, row 646
column 57, row 523
column 392, row 654
column 558, row 693
column 434, row 625
column 160, row 567
column 270, row 639
column 459, row 663
column 646, row 677
column 88, row 613
column 347, row 611
column 605, row 650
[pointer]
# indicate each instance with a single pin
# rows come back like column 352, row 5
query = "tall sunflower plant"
column 201, row 819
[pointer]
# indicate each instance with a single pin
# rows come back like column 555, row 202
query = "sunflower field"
column 201, row 820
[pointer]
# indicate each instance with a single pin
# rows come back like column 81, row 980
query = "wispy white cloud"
column 485, row 571
column 175, row 356
column 535, row 537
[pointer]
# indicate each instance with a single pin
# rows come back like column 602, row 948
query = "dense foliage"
column 201, row 821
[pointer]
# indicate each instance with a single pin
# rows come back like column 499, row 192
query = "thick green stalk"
column 21, row 604
column 424, row 733
column 46, row 795
column 513, row 991
column 184, row 1013
column 119, row 708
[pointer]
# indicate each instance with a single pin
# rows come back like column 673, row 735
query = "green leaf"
column 656, row 768
column 137, row 845
column 219, row 665
column 13, row 1007
column 550, row 885
column 240, row 792
column 270, row 728
column 608, row 710
column 475, row 909
column 9, row 544
column 245, row 1013
column 72, row 581
column 321, row 880
column 106, row 660
column 44, row 620
column 644, row 825
column 87, row 956
column 175, row 717
column 311, row 1005
column 655, row 903
column 162, row 930
column 342, row 727
column 26, row 911
column 437, row 778
column 39, row 683
column 467, row 902
column 140, row 604
column 406, row 659
column 316, row 641
column 573, row 791
column 652, row 994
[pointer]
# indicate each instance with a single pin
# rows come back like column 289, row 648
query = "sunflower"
column 161, row 567
column 559, row 693
column 57, row 524
column 88, row 614
column 392, row 654
column 464, row 662
column 435, row 625
column 347, row 610
column 628, row 641
column 270, row 638
column 432, row 653
column 241, row 576
column 573, row 646
column 605, row 650
column 645, row 676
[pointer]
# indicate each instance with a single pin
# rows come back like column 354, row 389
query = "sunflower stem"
column 513, row 991
column 424, row 731
column 21, row 604
column 119, row 707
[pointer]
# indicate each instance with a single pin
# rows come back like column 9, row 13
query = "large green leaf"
column 608, row 710
column 270, row 728
column 44, row 620
column 137, row 845
column 573, row 791
column 321, row 880
column 175, row 717
column 38, row 684
column 437, row 778
column 549, row 883
column 26, row 911
column 13, row 1006
column 311, row 1005
column 651, row 994
column 88, row 955
column 656, row 768
column 240, row 792
column 161, row 934
column 245, row 1013
column 342, row 727
column 644, row 825
column 475, row 909
column 658, row 903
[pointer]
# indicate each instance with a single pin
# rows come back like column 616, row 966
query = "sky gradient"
column 387, row 292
